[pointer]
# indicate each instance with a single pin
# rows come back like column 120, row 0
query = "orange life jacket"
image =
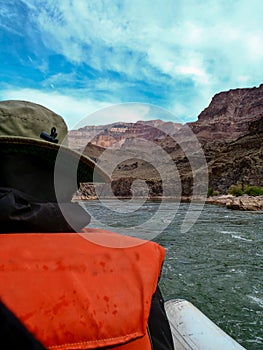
column 73, row 293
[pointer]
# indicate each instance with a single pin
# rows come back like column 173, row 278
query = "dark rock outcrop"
column 230, row 114
column 239, row 161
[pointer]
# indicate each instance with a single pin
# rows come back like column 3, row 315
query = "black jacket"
column 20, row 212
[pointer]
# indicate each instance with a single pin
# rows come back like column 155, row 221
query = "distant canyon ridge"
column 229, row 130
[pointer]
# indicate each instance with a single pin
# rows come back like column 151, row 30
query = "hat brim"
column 87, row 169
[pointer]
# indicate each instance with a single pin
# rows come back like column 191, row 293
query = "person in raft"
column 59, row 290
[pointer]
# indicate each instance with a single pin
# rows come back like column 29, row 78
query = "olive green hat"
column 29, row 128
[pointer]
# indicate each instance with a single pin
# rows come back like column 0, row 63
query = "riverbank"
column 244, row 202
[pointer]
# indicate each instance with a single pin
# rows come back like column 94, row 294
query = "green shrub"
column 235, row 190
column 238, row 190
column 210, row 192
column 254, row 190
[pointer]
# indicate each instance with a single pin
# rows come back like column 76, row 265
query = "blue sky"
column 78, row 56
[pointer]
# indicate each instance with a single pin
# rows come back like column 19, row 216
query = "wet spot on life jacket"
column 27, row 316
column 107, row 299
column 137, row 256
column 103, row 264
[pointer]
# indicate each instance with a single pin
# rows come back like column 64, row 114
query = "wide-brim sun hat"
column 32, row 129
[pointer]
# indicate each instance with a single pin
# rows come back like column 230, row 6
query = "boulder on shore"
column 221, row 200
column 245, row 202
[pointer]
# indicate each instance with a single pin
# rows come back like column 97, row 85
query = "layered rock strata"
column 230, row 131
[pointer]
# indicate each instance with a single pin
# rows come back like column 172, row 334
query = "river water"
column 216, row 265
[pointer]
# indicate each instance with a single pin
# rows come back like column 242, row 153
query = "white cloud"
column 80, row 111
column 254, row 44
column 72, row 109
column 223, row 37
column 194, row 47
column 126, row 112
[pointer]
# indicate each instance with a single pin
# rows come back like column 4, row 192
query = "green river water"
column 216, row 265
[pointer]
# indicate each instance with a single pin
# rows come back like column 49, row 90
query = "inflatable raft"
column 192, row 330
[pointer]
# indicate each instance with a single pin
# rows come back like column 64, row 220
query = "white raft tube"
column 192, row 330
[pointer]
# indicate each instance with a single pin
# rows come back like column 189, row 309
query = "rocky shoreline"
column 244, row 202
